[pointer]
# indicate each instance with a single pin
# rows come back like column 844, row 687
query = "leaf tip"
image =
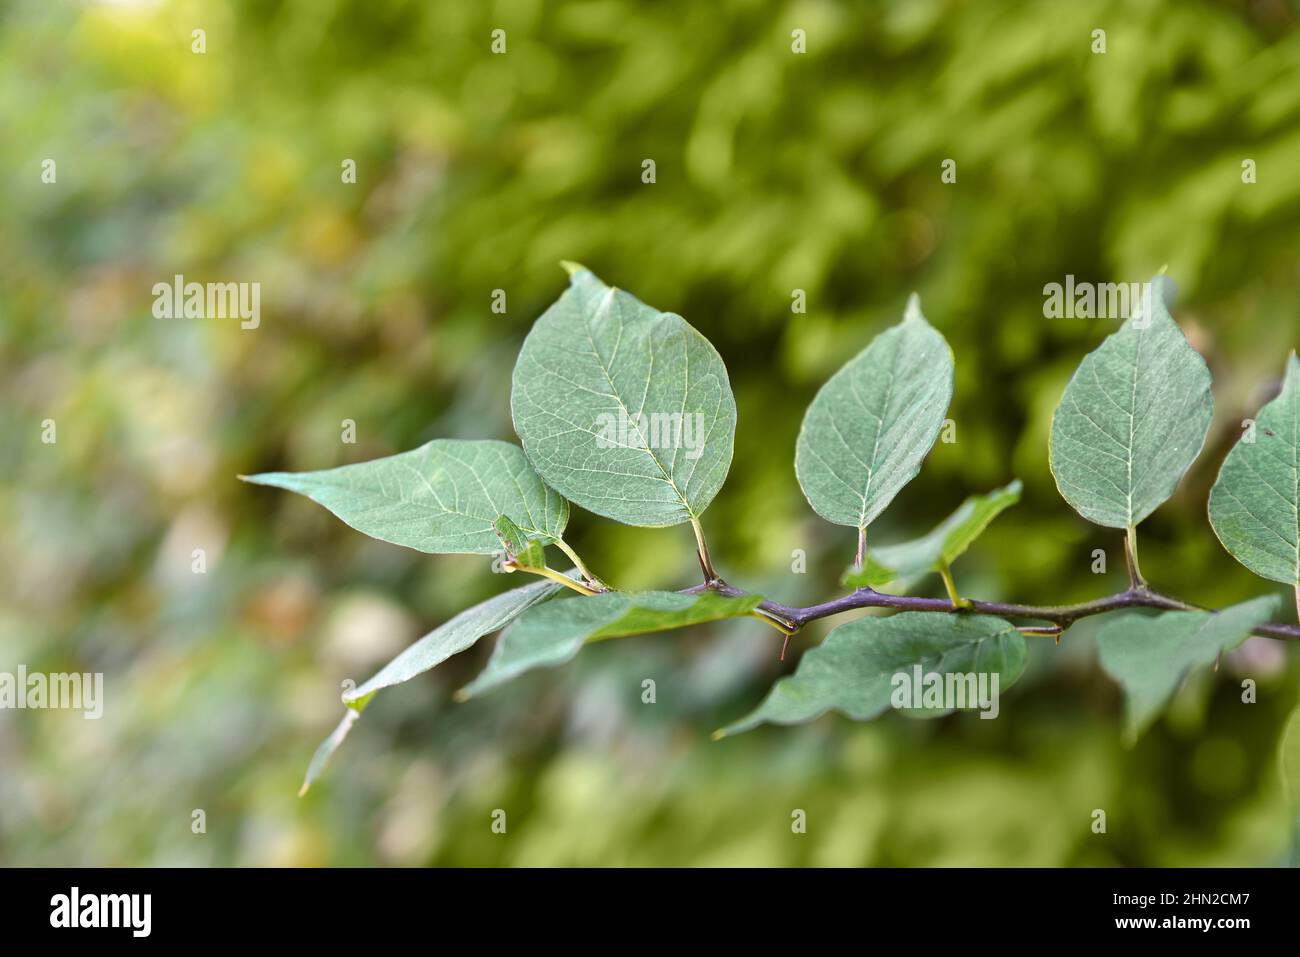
column 912, row 311
column 719, row 734
column 572, row 268
column 461, row 696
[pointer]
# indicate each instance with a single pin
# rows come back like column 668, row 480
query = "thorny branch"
column 1060, row 615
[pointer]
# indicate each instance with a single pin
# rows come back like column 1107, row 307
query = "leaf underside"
column 443, row 497
column 871, row 425
column 1255, row 503
column 623, row 409
column 1132, row 419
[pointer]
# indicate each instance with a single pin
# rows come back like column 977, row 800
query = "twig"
column 1062, row 615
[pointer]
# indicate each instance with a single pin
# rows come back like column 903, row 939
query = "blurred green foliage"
column 775, row 171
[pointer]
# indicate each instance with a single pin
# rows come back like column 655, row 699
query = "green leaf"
column 1255, row 503
column 442, row 497
column 870, row 426
column 326, row 750
column 939, row 547
column 454, row 636
column 556, row 632
column 860, row 668
column 624, row 409
column 1151, row 655
column 1133, row 418
column 519, row 548
column 449, row 638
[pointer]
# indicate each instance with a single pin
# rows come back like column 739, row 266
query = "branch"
column 1061, row 615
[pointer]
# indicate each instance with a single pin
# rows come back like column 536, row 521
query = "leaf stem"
column 554, row 576
column 1135, row 578
column 946, row 574
column 592, row 580
column 702, row 552
column 862, row 548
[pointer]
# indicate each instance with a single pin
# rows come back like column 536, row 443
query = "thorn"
column 784, row 645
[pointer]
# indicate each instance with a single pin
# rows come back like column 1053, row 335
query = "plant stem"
column 592, row 580
column 555, row 576
column 1135, row 578
column 702, row 552
column 1062, row 615
column 1297, row 601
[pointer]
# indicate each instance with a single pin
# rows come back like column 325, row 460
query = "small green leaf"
column 441, row 498
column 861, row 666
column 326, row 750
column 1132, row 419
column 449, row 638
column 556, row 632
column 870, row 426
column 624, row 409
column 1149, row 656
column 454, row 636
column 1255, row 503
column 519, row 548
column 942, row 545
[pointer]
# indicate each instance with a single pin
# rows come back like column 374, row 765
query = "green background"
column 775, row 171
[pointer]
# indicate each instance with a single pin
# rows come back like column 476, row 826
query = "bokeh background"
column 475, row 172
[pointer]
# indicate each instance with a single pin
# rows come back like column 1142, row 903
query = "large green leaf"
column 938, row 548
column 1255, row 503
column 854, row 671
column 449, row 638
column 556, row 632
column 1132, row 419
column 624, row 409
column 870, row 426
column 1150, row 655
column 442, row 497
